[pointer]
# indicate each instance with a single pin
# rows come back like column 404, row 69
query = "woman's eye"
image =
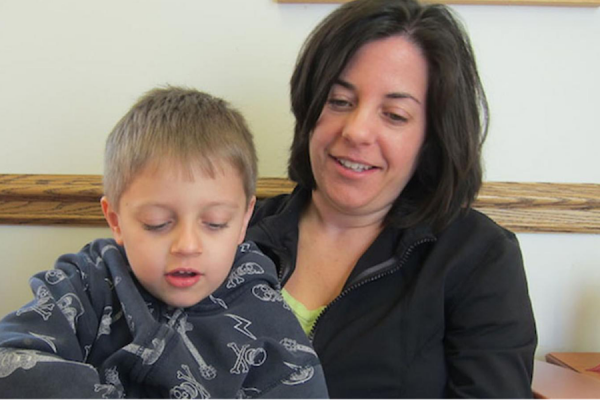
column 339, row 103
column 395, row 117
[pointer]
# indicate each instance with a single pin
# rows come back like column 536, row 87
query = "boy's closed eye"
column 156, row 226
column 216, row 225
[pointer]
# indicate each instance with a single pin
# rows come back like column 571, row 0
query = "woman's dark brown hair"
column 449, row 173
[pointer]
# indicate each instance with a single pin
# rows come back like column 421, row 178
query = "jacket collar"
column 277, row 234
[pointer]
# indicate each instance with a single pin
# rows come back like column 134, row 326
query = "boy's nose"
column 359, row 128
column 187, row 241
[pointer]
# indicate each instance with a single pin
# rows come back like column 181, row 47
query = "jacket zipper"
column 373, row 278
column 284, row 266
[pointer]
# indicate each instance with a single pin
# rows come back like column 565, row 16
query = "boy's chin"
column 182, row 303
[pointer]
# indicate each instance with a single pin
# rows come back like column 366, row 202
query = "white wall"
column 69, row 69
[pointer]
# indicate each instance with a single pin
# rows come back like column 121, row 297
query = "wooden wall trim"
column 519, row 206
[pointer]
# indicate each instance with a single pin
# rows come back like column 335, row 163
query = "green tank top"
column 306, row 317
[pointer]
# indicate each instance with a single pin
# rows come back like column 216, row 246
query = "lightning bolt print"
column 242, row 325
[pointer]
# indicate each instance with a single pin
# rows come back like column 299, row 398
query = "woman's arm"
column 490, row 329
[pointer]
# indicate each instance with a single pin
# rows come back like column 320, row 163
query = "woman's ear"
column 112, row 217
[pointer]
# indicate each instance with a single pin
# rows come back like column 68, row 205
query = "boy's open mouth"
column 180, row 273
column 182, row 278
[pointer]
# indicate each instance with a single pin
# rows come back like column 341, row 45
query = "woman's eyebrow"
column 402, row 95
column 393, row 95
column 345, row 84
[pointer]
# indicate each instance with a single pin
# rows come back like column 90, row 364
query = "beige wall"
column 70, row 68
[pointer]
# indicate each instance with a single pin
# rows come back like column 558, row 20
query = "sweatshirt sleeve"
column 307, row 383
column 288, row 364
column 490, row 331
column 45, row 344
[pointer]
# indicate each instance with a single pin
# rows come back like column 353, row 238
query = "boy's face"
column 180, row 231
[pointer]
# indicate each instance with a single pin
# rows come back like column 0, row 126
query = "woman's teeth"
column 354, row 166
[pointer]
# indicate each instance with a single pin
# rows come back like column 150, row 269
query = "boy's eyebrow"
column 393, row 95
column 227, row 204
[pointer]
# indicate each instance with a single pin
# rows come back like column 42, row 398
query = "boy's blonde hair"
column 185, row 126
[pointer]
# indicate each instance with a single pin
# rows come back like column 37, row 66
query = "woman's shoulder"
column 268, row 207
column 281, row 205
column 473, row 241
column 477, row 226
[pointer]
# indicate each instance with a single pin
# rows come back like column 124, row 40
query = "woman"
column 414, row 294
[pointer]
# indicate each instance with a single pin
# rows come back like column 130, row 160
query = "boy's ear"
column 112, row 218
column 247, row 217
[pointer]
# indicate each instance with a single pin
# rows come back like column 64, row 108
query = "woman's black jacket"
column 421, row 315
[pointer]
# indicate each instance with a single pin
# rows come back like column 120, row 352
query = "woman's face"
column 366, row 143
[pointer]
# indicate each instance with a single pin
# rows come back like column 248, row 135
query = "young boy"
column 159, row 311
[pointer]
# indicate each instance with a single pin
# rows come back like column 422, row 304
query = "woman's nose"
column 187, row 241
column 359, row 128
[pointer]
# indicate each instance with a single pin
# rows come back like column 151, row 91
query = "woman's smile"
column 353, row 165
column 366, row 144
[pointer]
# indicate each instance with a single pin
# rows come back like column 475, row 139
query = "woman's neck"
column 331, row 218
column 330, row 244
